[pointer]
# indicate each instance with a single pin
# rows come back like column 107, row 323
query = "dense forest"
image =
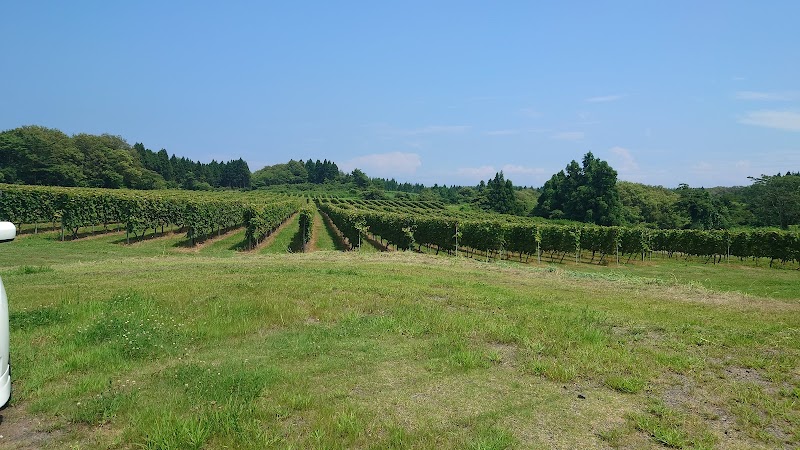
column 583, row 192
column 297, row 172
column 46, row 156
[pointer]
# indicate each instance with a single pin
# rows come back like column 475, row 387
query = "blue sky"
column 705, row 93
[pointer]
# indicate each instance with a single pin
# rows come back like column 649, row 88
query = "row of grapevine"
column 349, row 222
column 263, row 219
column 206, row 217
column 201, row 214
column 307, row 213
column 529, row 237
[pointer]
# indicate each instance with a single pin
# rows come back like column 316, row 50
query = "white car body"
column 7, row 233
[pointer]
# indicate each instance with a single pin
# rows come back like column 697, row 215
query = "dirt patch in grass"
column 503, row 354
column 640, row 335
column 745, row 375
column 685, row 394
column 531, row 409
column 19, row 430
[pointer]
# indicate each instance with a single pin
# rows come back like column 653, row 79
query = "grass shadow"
column 296, row 245
column 241, row 246
column 338, row 240
column 55, row 235
column 147, row 236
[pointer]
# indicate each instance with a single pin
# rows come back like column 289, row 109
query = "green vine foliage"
column 262, row 219
column 200, row 214
column 526, row 236
column 401, row 223
column 307, row 213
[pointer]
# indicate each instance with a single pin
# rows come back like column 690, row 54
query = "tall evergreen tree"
column 586, row 193
column 500, row 195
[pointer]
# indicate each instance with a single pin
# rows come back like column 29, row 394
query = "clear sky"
column 668, row 92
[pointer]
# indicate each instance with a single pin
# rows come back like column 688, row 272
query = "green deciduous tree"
column 39, row 155
column 109, row 161
column 650, row 205
column 775, row 200
column 700, row 210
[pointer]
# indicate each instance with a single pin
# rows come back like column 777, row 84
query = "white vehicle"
column 7, row 233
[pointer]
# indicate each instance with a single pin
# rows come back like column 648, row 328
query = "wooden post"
column 456, row 238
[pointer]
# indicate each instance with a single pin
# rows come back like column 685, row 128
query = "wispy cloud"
column 530, row 113
column 511, row 169
column 731, row 172
column 437, row 129
column 515, row 131
column 785, row 96
column 702, row 167
column 477, row 173
column 484, row 98
column 781, row 120
column 390, row 131
column 503, row 132
column 488, row 171
column 569, row 136
column 625, row 161
column 385, row 164
column 605, row 98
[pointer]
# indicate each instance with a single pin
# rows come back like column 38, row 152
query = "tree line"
column 297, row 172
column 586, row 192
column 44, row 156
column 589, row 192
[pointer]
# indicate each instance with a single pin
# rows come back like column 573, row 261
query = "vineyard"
column 216, row 333
column 430, row 224
column 199, row 214
column 404, row 224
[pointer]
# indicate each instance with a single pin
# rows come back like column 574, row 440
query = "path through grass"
column 286, row 239
column 324, row 238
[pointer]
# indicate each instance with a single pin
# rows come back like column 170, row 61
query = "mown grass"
column 286, row 241
column 228, row 246
column 326, row 238
column 735, row 276
column 167, row 349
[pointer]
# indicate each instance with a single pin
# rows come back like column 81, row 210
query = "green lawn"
column 229, row 245
column 286, row 240
column 779, row 282
column 325, row 238
column 149, row 345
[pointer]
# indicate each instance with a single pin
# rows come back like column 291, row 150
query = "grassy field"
column 156, row 345
column 323, row 237
column 286, row 240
